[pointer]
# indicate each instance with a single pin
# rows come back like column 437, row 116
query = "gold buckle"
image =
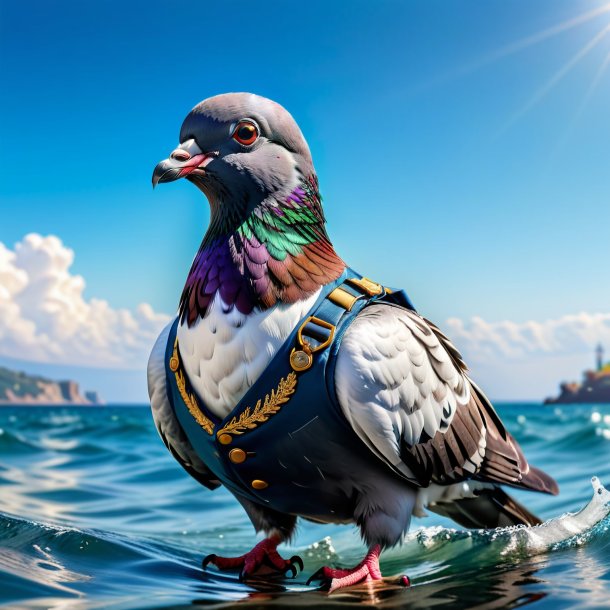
column 302, row 359
column 323, row 324
column 340, row 296
column 369, row 286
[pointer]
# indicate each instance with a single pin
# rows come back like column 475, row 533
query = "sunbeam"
column 557, row 77
column 561, row 143
column 534, row 39
column 593, row 86
column 519, row 45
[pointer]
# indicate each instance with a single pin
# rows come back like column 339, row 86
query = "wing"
column 403, row 388
column 168, row 426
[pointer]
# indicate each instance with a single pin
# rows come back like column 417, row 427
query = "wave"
column 588, row 436
column 42, row 559
column 14, row 443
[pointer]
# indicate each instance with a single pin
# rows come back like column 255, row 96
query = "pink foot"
column 336, row 578
column 264, row 553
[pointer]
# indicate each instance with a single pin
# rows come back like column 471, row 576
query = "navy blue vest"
column 286, row 443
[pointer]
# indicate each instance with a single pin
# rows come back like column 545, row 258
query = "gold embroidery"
column 249, row 419
column 189, row 399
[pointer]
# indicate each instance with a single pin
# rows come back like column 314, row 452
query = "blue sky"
column 462, row 148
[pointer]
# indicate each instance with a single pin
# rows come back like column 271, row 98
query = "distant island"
column 594, row 388
column 19, row 388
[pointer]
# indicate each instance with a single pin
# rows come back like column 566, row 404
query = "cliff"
column 594, row 388
column 20, row 388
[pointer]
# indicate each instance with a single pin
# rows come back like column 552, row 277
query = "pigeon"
column 304, row 388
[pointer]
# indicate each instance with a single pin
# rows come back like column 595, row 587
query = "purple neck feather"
column 279, row 253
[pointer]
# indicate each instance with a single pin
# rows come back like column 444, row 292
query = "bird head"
column 240, row 149
column 266, row 242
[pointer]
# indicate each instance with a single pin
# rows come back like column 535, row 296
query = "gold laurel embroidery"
column 189, row 399
column 249, row 419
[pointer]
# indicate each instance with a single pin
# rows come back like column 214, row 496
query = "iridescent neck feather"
column 279, row 253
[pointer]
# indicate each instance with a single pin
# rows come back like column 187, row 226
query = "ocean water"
column 95, row 513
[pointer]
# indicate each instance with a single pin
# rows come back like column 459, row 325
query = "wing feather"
column 404, row 388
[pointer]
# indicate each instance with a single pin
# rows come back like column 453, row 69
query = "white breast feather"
column 225, row 352
column 163, row 415
column 394, row 379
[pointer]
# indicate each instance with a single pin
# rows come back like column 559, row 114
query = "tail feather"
column 538, row 480
column 504, row 461
column 490, row 509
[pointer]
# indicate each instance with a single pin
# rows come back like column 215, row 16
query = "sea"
column 95, row 513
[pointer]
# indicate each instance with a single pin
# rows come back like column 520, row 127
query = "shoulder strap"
column 348, row 298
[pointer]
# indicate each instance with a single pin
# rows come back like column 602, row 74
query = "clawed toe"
column 222, row 563
column 330, row 579
column 325, row 576
column 317, row 575
column 294, row 565
column 263, row 554
column 367, row 570
column 207, row 560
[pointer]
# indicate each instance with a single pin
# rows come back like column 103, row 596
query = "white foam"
column 571, row 528
column 446, row 545
column 544, row 537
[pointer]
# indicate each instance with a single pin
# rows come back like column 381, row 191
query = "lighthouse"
column 599, row 354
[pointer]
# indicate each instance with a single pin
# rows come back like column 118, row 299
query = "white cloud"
column 44, row 317
column 528, row 359
column 565, row 335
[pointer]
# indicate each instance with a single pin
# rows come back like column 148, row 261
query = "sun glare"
column 601, row 13
column 543, row 91
column 539, row 37
column 594, row 84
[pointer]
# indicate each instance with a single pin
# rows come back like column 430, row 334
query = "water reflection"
column 41, row 567
column 509, row 586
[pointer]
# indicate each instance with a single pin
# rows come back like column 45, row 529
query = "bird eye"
column 245, row 133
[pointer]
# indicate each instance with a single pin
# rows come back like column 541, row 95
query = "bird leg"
column 263, row 554
column 337, row 578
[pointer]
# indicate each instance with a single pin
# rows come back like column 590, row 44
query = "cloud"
column 44, row 317
column 528, row 359
column 566, row 335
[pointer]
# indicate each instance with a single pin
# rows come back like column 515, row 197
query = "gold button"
column 237, row 456
column 300, row 360
column 258, row 484
column 225, row 439
column 174, row 363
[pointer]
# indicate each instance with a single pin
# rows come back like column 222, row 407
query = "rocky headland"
column 19, row 388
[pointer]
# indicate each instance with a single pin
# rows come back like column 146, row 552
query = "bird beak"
column 185, row 160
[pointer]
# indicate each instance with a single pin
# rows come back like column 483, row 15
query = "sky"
column 462, row 150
